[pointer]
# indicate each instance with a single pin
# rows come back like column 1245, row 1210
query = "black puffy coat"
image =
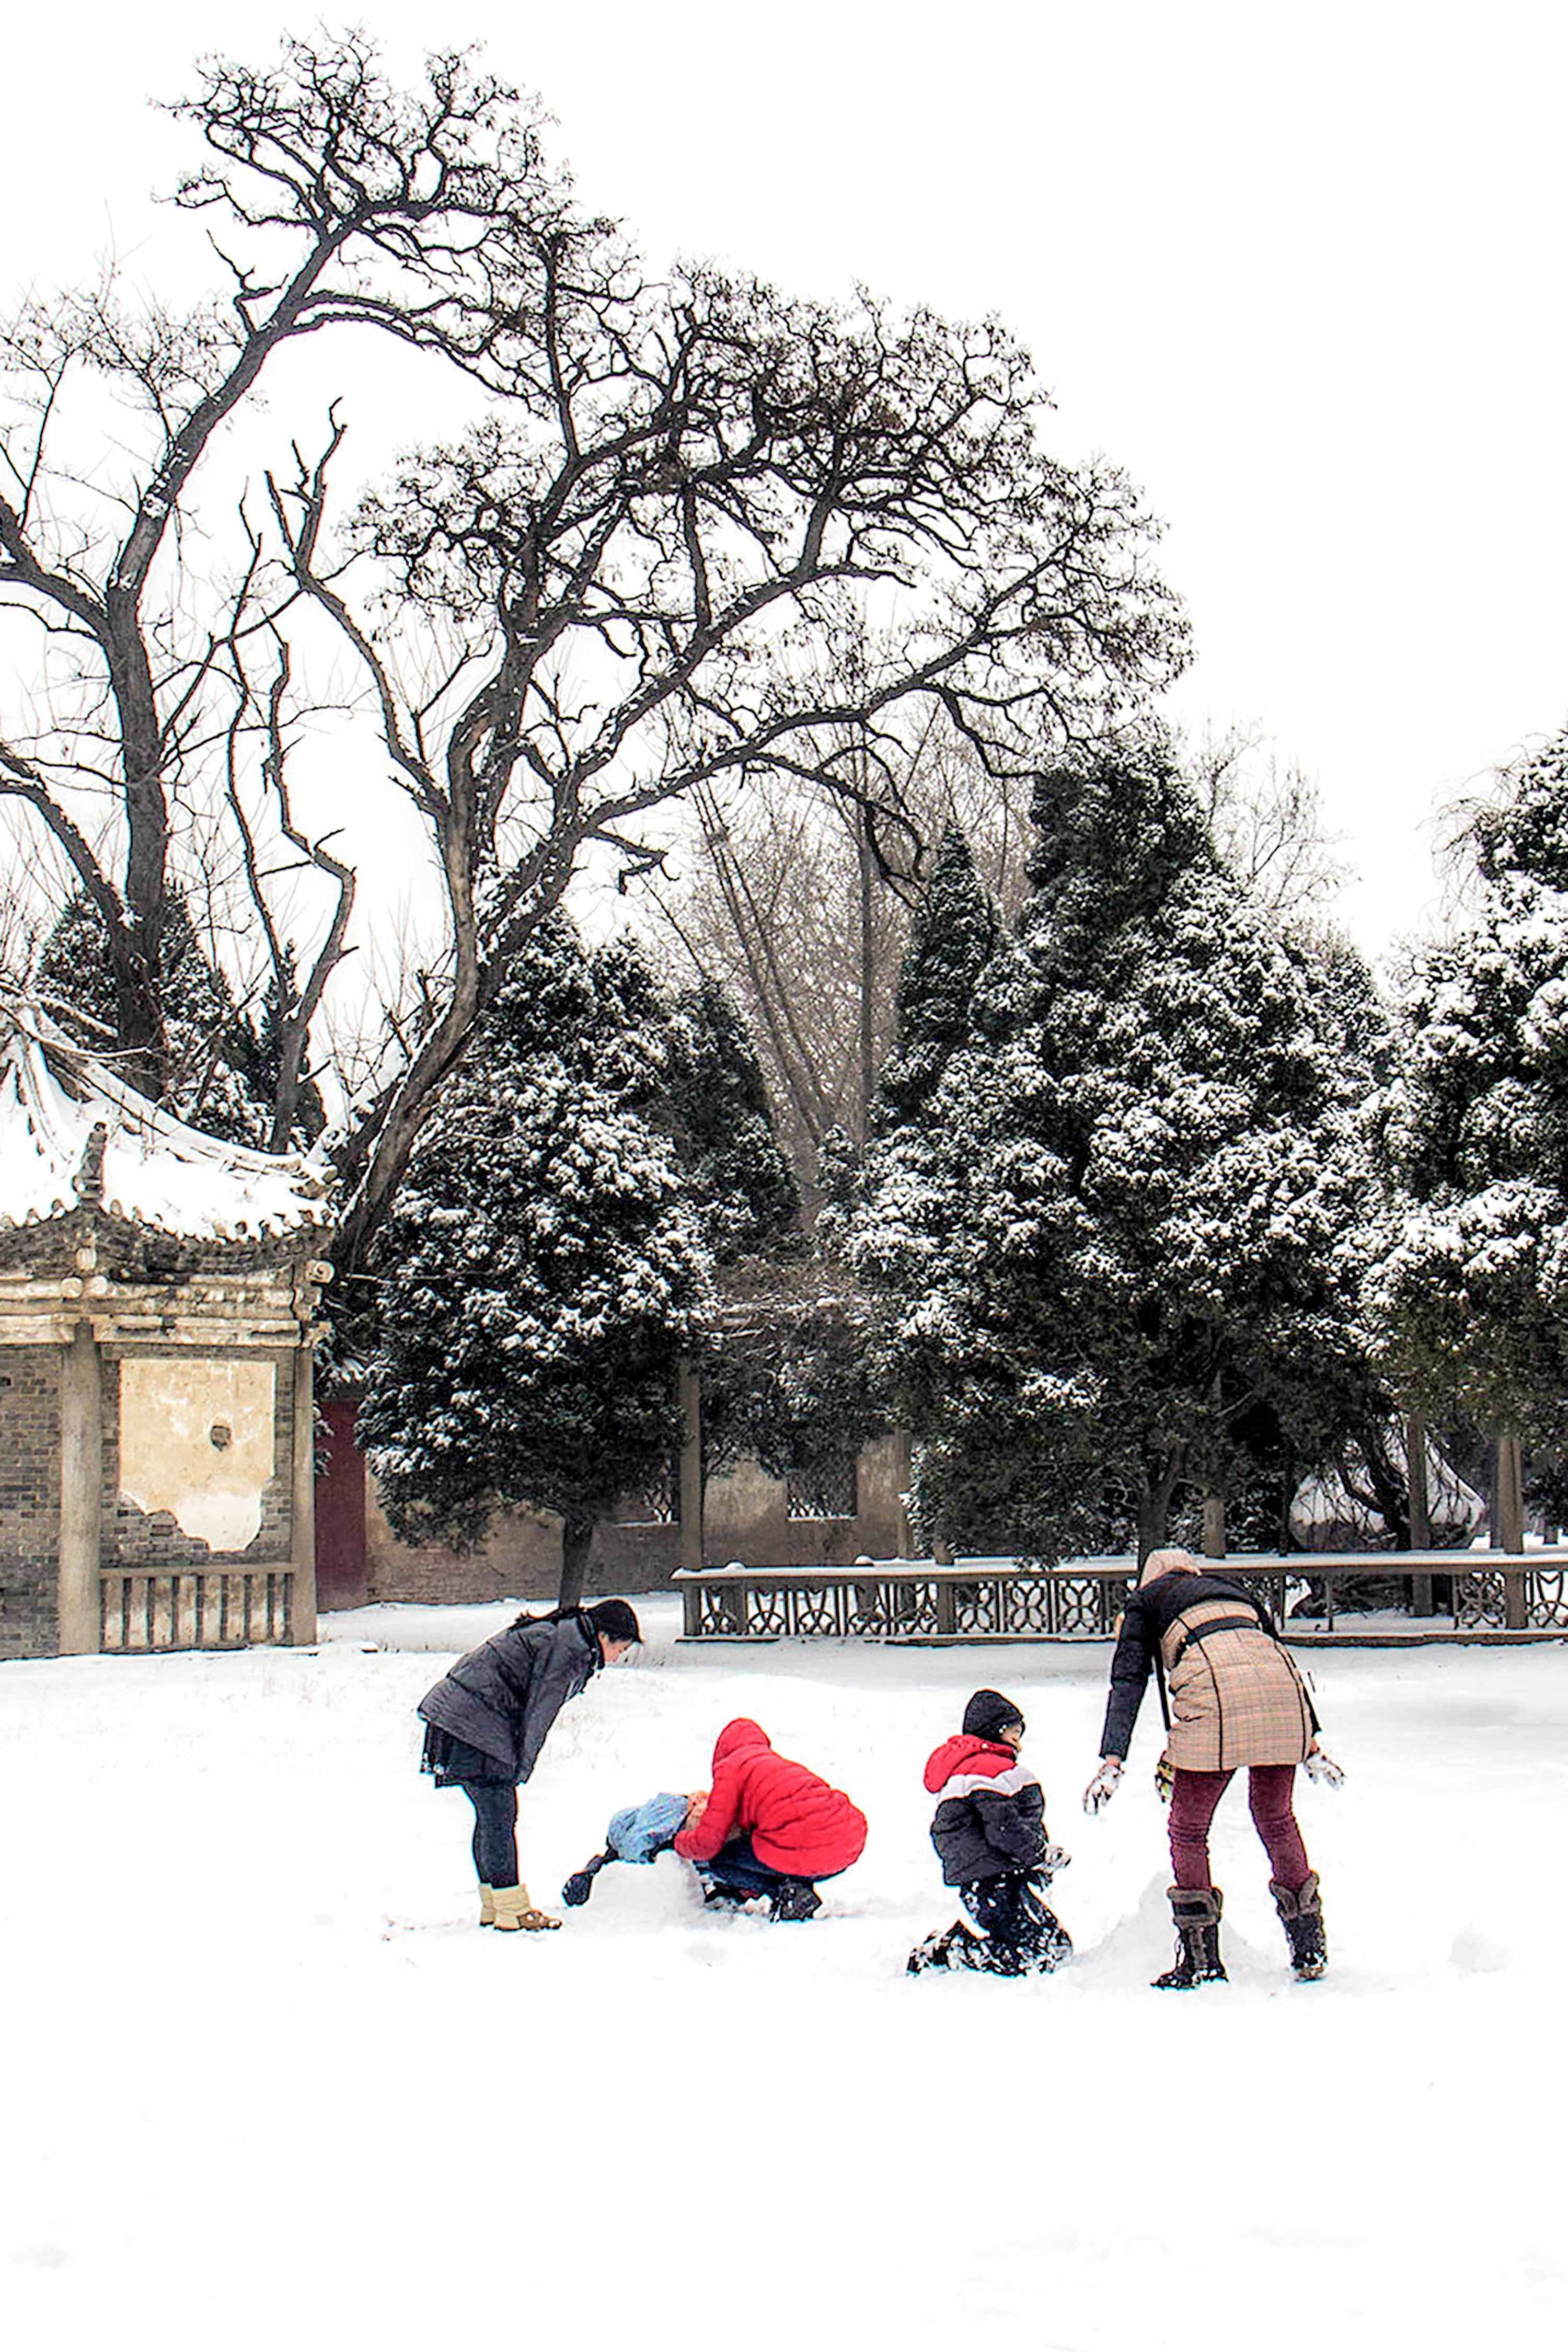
column 990, row 1813
column 503, row 1697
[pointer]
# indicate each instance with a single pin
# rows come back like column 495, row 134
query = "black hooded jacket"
column 503, row 1697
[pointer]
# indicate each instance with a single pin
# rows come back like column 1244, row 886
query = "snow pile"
column 264, row 2079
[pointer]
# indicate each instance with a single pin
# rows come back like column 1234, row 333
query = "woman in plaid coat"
column 1236, row 1699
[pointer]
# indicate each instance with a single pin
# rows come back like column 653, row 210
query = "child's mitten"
column 1322, row 1769
column 1102, row 1787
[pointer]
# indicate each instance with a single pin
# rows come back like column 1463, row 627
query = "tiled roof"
column 72, row 1132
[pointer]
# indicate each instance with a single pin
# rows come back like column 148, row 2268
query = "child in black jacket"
column 989, row 1832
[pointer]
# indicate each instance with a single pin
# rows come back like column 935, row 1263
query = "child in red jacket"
column 989, row 1830
column 769, row 1827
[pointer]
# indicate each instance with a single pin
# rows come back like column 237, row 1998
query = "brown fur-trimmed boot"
column 487, row 1905
column 1196, row 1910
column 1301, row 1912
column 514, row 1909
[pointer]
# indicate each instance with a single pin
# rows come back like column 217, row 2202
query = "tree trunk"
column 689, row 1390
column 867, row 978
column 576, row 1543
column 1214, row 1526
column 1154, row 1510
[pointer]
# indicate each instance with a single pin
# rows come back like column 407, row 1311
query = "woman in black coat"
column 487, row 1720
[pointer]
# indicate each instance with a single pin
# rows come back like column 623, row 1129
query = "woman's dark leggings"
column 494, row 1807
column 1193, row 1802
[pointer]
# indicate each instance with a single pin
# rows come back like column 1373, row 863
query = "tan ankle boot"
column 514, row 1909
column 487, row 1905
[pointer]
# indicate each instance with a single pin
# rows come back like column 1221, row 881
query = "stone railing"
column 1480, row 1593
column 194, row 1608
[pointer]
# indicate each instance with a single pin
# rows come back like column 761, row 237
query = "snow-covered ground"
column 265, row 2082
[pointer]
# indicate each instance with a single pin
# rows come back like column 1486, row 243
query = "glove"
column 1322, row 1769
column 579, row 1886
column 1054, row 1858
column 1102, row 1787
column 1164, row 1779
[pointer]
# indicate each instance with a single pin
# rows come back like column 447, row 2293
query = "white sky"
column 1300, row 272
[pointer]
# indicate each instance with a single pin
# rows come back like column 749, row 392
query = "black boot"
column 1196, row 1910
column 716, row 1898
column 1302, row 1912
column 937, row 1951
column 797, row 1898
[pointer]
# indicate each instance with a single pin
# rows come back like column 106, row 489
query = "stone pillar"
column 1509, row 1495
column 81, row 1495
column 302, row 1539
column 903, row 1471
column 1420, row 1510
column 689, row 1403
column 1510, row 1526
column 1214, row 1526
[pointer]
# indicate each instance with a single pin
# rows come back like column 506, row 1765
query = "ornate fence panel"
column 1494, row 1594
column 984, row 1602
column 1546, row 1594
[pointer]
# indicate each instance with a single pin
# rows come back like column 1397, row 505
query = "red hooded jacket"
column 795, row 1822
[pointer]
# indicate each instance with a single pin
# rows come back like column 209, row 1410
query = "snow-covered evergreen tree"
column 1110, row 1238
column 955, row 932
column 544, row 1269
column 741, row 1184
column 1470, row 1293
column 223, row 1061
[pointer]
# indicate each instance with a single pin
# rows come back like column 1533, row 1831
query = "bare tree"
column 330, row 201
column 649, row 569
column 1267, row 820
column 784, row 901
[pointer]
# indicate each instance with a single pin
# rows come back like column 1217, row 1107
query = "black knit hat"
column 989, row 1713
column 615, row 1619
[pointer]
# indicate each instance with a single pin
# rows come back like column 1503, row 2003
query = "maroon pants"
column 1193, row 1802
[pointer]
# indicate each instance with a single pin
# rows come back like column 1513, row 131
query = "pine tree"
column 739, row 1181
column 543, row 1272
column 1111, row 1238
column 223, row 1064
column 1469, row 1293
column 952, row 937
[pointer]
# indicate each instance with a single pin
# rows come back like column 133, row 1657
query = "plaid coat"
column 1234, row 1695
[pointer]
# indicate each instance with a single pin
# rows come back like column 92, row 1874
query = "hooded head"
column 988, row 1715
column 736, row 1737
column 1167, row 1563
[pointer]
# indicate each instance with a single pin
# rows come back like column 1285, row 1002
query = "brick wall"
column 29, row 1502
column 746, row 1517
column 521, row 1559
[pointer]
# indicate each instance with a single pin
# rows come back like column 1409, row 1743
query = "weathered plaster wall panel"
column 198, row 1440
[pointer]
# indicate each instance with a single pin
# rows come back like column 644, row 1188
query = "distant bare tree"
column 652, row 569
column 1267, row 819
column 784, row 901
